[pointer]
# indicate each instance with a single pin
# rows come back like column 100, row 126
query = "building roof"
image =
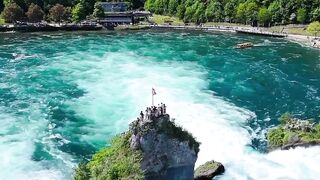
column 114, row 6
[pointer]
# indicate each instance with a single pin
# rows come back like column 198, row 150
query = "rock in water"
column 208, row 170
column 169, row 152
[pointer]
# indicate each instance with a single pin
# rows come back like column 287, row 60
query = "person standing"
column 141, row 115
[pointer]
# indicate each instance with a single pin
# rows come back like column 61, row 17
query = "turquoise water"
column 64, row 95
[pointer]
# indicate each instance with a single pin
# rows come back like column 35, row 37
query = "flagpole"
column 152, row 97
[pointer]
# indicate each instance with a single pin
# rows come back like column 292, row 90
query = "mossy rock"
column 208, row 170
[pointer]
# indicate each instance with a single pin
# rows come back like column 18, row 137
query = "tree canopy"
column 241, row 11
column 266, row 12
column 35, row 13
column 12, row 13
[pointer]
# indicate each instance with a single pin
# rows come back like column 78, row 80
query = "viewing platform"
column 261, row 33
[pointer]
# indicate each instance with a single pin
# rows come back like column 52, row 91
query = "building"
column 120, row 13
column 116, row 13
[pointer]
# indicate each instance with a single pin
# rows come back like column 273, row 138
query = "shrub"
column 118, row 161
column 275, row 137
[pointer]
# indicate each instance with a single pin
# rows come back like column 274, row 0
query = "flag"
column 153, row 92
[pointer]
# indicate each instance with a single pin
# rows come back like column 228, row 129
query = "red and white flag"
column 153, row 92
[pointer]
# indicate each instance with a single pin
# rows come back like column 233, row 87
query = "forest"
column 264, row 12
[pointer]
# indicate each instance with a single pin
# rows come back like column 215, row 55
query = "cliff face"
column 293, row 132
column 168, row 151
column 153, row 148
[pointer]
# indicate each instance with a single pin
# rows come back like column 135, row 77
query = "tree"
column 241, row 13
column 1, row 5
column 58, row 13
column 314, row 28
column 302, row 15
column 264, row 16
column 180, row 11
column 214, row 11
column 149, row 5
column 12, row 13
column 35, row 13
column 252, row 12
column 229, row 11
column 98, row 11
column 172, row 7
column 315, row 15
column 199, row 15
column 275, row 10
column 78, row 12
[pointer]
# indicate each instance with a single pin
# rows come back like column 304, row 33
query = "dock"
column 261, row 33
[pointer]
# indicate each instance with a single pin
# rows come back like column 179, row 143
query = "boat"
column 244, row 45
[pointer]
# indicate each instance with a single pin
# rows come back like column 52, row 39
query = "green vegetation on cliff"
column 293, row 130
column 118, row 161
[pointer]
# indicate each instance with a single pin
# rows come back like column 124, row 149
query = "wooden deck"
column 261, row 33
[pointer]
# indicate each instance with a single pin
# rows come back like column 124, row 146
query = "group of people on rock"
column 152, row 112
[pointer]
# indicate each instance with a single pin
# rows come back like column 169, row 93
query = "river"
column 64, row 95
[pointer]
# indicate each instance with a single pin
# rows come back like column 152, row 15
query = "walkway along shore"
column 301, row 39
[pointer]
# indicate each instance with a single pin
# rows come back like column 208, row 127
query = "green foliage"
column 172, row 7
column 264, row 16
column 244, row 11
column 118, row 161
column 230, row 10
column 275, row 137
column 314, row 28
column 35, row 13
column 285, row 118
column 175, row 131
column 12, row 13
column 310, row 136
column 275, row 10
column 315, row 15
column 81, row 172
column 180, row 11
column 98, row 11
column 59, row 13
column 241, row 13
column 283, row 135
column 251, row 12
column 78, row 13
column 302, row 15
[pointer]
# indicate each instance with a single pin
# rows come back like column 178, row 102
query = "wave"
column 118, row 86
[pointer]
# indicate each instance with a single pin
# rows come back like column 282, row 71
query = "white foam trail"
column 119, row 85
column 17, row 147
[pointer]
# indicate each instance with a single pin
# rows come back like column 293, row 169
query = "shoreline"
column 309, row 41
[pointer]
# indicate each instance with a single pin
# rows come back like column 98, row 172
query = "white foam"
column 119, row 85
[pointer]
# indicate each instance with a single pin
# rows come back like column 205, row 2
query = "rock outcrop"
column 293, row 132
column 169, row 152
column 208, row 170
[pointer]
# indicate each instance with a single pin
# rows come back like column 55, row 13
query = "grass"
column 177, row 132
column 160, row 19
column 2, row 21
column 130, row 27
column 118, row 161
column 280, row 136
column 224, row 24
column 290, row 30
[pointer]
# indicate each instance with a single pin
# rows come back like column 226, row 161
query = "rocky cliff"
column 153, row 148
column 169, row 152
column 294, row 132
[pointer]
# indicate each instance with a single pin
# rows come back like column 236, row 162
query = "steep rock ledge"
column 153, row 148
column 293, row 132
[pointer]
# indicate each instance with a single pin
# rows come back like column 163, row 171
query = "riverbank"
column 305, row 40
